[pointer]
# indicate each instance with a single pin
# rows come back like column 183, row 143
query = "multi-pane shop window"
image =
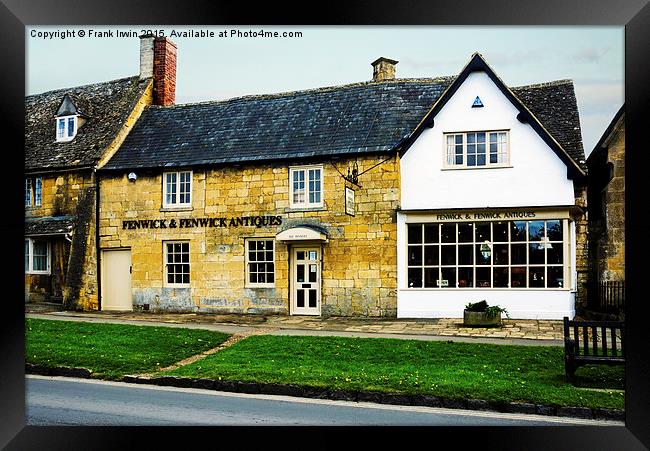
column 306, row 186
column 33, row 191
column 504, row 254
column 177, row 263
column 476, row 149
column 260, row 262
column 37, row 256
column 177, row 189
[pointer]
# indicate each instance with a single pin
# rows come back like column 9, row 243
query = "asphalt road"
column 57, row 401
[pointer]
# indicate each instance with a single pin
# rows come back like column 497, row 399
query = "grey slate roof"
column 356, row 118
column 51, row 225
column 105, row 105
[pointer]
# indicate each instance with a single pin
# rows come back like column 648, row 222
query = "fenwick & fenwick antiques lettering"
column 188, row 223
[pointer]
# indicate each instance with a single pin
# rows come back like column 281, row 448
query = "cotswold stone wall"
column 73, row 265
column 359, row 262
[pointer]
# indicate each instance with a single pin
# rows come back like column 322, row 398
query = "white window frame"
column 30, row 257
column 66, row 136
column 249, row 262
column 166, row 263
column 305, row 170
column 177, row 204
column 33, row 191
column 446, row 164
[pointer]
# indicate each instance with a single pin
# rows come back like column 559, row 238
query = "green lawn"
column 532, row 374
column 113, row 350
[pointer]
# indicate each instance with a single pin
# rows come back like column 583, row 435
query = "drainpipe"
column 97, row 252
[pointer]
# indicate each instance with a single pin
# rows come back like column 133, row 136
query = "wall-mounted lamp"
column 132, row 176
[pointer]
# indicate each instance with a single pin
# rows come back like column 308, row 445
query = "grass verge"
column 113, row 350
column 532, row 374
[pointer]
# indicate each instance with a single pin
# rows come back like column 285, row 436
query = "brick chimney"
column 383, row 69
column 158, row 60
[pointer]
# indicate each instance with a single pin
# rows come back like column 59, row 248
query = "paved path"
column 526, row 332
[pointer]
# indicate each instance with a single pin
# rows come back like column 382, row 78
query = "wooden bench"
column 599, row 342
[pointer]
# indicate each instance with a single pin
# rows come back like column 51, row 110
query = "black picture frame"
column 633, row 14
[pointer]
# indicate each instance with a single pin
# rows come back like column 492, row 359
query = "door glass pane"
column 300, row 273
column 312, row 273
column 312, row 298
column 300, row 298
column 300, row 255
column 312, row 255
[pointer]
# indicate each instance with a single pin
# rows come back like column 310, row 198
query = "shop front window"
column 500, row 254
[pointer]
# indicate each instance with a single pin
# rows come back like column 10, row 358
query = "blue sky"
column 224, row 67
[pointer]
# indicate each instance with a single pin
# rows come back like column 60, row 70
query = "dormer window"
column 66, row 128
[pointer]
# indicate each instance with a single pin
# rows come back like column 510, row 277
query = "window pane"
column 448, row 278
column 535, row 230
column 554, row 253
column 415, row 277
column 465, row 254
column 415, row 255
column 500, row 230
column 518, row 275
column 536, row 253
column 518, row 231
column 501, row 277
column 483, row 277
column 28, row 192
column 431, row 255
column 70, row 126
column 465, row 277
column 554, row 230
column 536, row 277
column 38, row 190
column 448, row 255
column 471, row 160
column 414, row 233
column 483, row 254
column 431, row 233
column 518, row 254
column 448, row 233
column 465, row 232
column 26, row 255
column 555, row 276
column 61, row 129
column 431, row 277
column 500, row 254
column 483, row 232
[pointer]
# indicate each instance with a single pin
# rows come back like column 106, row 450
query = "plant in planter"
column 480, row 314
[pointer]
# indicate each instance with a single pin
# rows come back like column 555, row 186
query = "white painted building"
column 488, row 206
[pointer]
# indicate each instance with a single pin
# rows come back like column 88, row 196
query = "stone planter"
column 478, row 319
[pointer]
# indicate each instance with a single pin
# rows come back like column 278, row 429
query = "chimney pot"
column 383, row 69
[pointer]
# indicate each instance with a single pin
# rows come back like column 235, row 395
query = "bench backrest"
column 597, row 338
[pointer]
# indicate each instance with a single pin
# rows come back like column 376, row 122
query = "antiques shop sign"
column 188, row 223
